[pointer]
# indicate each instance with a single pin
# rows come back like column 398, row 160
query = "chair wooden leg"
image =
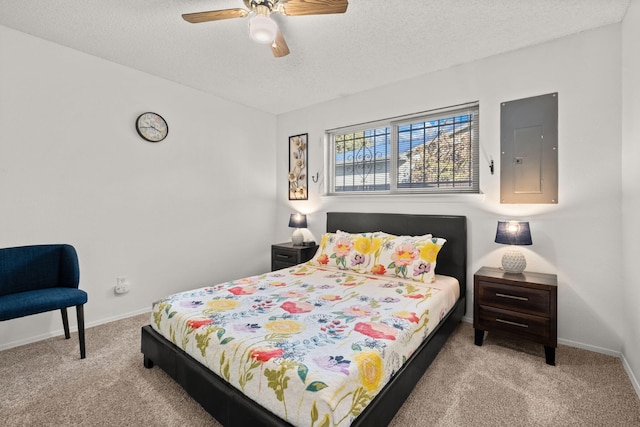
column 65, row 323
column 80, row 314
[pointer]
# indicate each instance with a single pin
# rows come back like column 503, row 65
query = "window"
column 434, row 152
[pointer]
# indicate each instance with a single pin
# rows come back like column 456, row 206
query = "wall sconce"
column 513, row 233
column 297, row 221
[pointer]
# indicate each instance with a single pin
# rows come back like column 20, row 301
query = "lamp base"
column 513, row 261
column 297, row 238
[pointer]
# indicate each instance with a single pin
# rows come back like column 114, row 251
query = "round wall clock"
column 152, row 127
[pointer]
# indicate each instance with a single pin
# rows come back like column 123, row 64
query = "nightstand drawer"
column 283, row 258
column 284, row 255
column 513, row 297
column 535, row 328
column 275, row 265
column 281, row 255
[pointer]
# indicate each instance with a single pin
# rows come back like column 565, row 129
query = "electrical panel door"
column 529, row 150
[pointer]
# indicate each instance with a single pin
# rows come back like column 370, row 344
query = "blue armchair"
column 40, row 278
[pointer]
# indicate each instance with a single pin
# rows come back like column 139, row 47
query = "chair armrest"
column 69, row 273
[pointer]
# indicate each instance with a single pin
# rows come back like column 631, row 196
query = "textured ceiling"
column 377, row 42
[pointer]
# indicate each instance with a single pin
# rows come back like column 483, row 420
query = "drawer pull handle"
column 512, row 297
column 283, row 256
column 508, row 322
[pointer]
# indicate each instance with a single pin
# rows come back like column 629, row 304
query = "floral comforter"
column 313, row 345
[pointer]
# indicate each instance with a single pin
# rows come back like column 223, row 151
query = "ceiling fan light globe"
column 262, row 29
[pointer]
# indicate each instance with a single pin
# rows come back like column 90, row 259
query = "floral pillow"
column 346, row 251
column 379, row 253
column 409, row 257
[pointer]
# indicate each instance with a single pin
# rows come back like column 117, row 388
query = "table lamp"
column 513, row 233
column 297, row 221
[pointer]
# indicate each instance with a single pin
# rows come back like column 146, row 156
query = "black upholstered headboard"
column 452, row 259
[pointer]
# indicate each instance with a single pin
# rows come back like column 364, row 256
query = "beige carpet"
column 502, row 383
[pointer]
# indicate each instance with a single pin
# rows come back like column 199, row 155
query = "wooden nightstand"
column 524, row 305
column 285, row 255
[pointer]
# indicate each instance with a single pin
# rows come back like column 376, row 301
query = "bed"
column 226, row 401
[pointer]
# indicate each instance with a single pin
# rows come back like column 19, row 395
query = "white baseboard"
column 121, row 316
column 632, row 377
column 72, row 328
column 589, row 347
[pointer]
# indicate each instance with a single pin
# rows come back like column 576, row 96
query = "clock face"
column 152, row 127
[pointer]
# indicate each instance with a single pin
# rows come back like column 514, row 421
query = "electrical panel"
column 529, row 150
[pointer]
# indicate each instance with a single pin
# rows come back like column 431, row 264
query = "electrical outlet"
column 122, row 286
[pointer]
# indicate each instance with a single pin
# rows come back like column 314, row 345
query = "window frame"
column 394, row 124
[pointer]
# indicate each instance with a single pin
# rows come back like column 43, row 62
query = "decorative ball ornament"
column 297, row 237
column 513, row 261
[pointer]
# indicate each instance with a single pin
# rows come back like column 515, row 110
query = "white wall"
column 631, row 186
column 168, row 216
column 579, row 238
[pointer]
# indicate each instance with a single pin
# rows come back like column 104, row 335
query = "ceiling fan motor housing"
column 254, row 4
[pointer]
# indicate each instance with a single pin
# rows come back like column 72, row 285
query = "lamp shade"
column 513, row 233
column 298, row 221
column 262, row 29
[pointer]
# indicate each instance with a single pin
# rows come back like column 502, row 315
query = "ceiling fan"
column 262, row 28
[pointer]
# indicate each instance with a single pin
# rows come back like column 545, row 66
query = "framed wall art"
column 298, row 179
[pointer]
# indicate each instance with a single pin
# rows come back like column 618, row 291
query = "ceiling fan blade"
column 313, row 7
column 279, row 46
column 215, row 15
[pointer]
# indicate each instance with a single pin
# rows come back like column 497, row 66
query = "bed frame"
column 233, row 409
